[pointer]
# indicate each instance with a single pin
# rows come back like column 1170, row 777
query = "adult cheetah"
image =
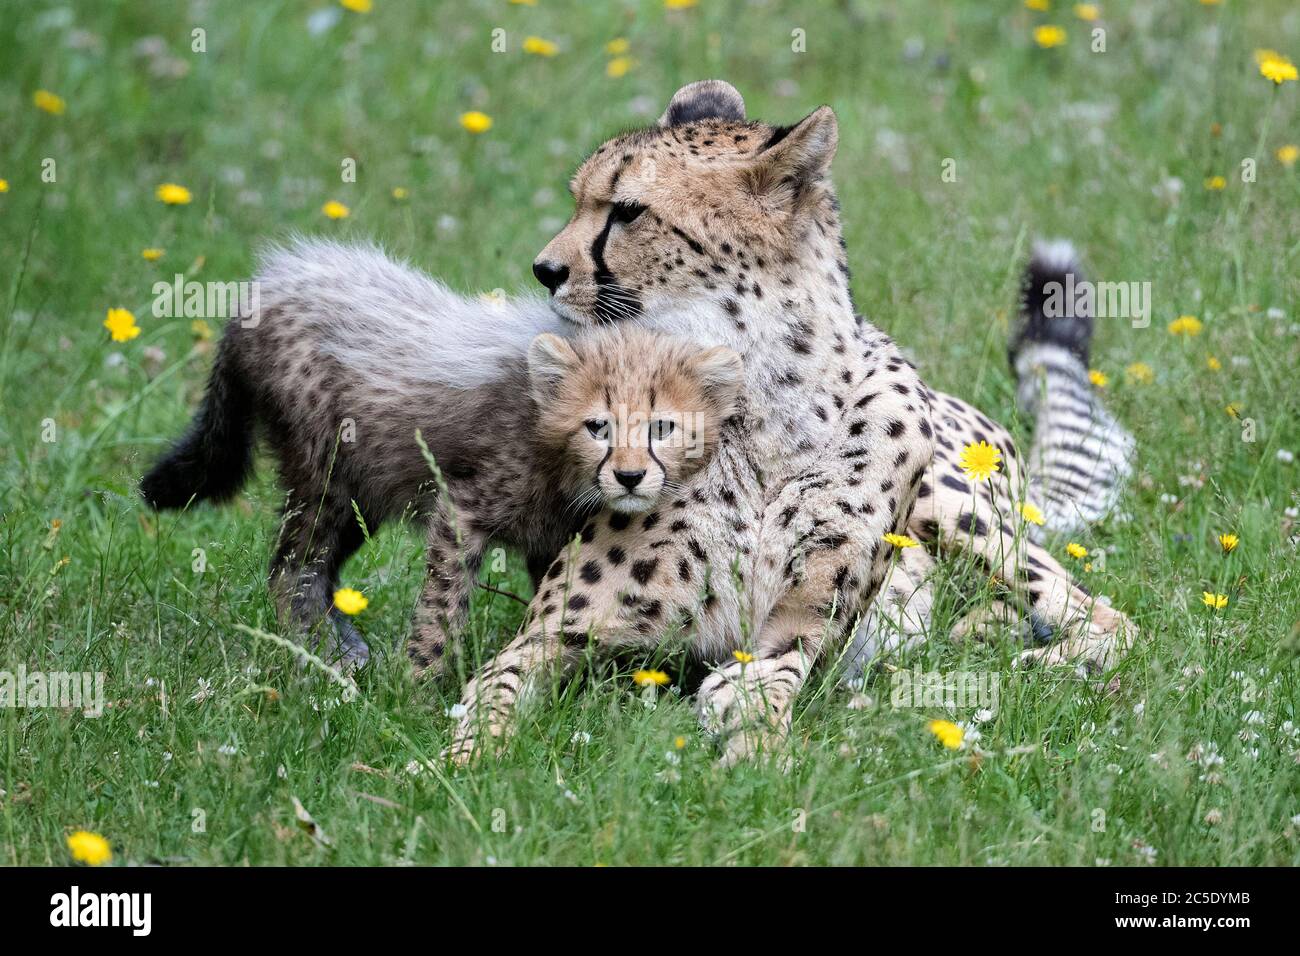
column 727, row 231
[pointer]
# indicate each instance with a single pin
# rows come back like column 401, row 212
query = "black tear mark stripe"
column 612, row 300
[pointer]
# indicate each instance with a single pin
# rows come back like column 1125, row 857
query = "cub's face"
column 630, row 414
column 699, row 209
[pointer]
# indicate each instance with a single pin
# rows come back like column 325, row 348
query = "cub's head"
column 704, row 208
column 629, row 414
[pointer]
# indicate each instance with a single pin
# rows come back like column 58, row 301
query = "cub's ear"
column 550, row 359
column 705, row 99
column 797, row 156
column 722, row 376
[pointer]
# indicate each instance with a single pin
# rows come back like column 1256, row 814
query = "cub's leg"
column 317, row 535
column 454, row 555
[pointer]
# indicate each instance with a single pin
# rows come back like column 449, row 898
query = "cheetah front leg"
column 746, row 705
column 492, row 698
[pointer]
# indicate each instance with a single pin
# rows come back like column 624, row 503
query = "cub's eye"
column 661, row 428
column 597, row 428
column 625, row 212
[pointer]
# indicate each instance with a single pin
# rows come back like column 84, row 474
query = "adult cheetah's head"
column 704, row 207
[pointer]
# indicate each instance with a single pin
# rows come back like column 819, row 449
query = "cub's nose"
column 629, row 479
column 550, row 275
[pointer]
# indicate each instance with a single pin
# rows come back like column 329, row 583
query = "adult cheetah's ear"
column 798, row 155
column 722, row 376
column 705, row 99
column 550, row 359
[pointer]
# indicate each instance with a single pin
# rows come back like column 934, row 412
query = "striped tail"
column 1080, row 457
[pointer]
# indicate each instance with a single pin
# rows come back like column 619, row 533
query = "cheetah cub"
column 614, row 419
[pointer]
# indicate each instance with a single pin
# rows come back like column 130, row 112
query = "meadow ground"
column 213, row 732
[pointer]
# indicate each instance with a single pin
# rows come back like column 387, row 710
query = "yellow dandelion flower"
column 540, row 47
column 1234, row 409
column 400, row 193
column 618, row 67
column 979, row 461
column 901, row 540
column 1216, row 601
column 51, row 103
column 1087, row 566
column 1264, row 53
column 350, row 601
column 679, row 742
column 357, row 6
column 743, row 656
column 1278, row 69
column 1288, row 154
column 121, row 325
column 1216, row 183
column 151, row 254
column 649, row 678
column 678, row 4
column 476, row 122
column 1042, row 6
column 949, row 734
column 336, row 210
column 1087, row 12
column 1048, row 36
column 1185, row 325
column 1229, row 542
column 1031, row 513
column 1141, row 373
column 1076, row 550
column 173, row 195
column 1210, row 3
column 4, row 185
column 1212, row 363
column 1098, row 378
column 89, row 848
column 524, row 3
column 617, row 46
column 201, row 330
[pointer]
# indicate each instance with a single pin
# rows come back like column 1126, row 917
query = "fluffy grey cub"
column 348, row 354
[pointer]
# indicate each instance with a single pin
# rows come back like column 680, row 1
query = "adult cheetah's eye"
column 626, row 212
column 661, row 428
column 598, row 428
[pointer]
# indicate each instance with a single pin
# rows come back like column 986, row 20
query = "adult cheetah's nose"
column 629, row 479
column 550, row 275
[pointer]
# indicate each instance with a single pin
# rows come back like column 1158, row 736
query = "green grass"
column 1061, row 141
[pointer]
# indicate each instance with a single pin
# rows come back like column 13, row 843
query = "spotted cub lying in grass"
column 343, row 374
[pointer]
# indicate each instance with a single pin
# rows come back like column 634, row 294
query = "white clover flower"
column 580, row 737
column 1285, row 456
column 456, row 711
